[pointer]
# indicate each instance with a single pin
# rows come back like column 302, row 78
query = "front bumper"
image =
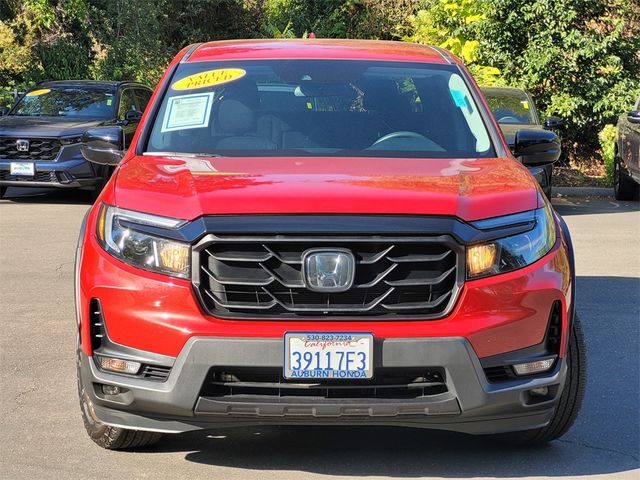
column 471, row 404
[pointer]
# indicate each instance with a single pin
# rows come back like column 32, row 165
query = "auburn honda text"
column 323, row 232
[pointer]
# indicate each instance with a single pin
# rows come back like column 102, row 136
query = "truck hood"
column 188, row 187
column 24, row 126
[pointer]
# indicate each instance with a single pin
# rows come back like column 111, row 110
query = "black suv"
column 626, row 170
column 40, row 135
column 515, row 111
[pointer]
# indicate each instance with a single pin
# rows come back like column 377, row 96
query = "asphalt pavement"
column 41, row 432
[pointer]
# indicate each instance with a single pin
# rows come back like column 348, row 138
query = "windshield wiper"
column 182, row 154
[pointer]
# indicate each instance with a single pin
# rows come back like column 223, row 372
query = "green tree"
column 579, row 58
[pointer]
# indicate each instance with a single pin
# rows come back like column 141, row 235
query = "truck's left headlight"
column 516, row 251
column 116, row 233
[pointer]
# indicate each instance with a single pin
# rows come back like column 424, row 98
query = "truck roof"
column 317, row 49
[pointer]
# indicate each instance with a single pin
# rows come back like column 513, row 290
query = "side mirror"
column 4, row 111
column 553, row 122
column 634, row 116
column 132, row 116
column 536, row 147
column 104, row 145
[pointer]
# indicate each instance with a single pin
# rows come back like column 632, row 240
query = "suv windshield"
column 319, row 107
column 510, row 105
column 66, row 102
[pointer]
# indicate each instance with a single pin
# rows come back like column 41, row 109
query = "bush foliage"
column 579, row 58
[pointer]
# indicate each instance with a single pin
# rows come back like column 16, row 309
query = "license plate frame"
column 22, row 169
column 358, row 366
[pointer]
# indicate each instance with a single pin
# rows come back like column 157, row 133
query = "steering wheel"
column 399, row 134
column 509, row 119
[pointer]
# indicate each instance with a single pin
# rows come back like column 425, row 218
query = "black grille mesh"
column 394, row 277
column 39, row 149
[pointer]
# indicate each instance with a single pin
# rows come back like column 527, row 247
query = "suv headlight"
column 117, row 234
column 513, row 252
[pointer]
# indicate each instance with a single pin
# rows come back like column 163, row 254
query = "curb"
column 581, row 192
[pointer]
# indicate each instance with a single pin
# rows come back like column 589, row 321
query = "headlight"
column 117, row 235
column 71, row 140
column 517, row 251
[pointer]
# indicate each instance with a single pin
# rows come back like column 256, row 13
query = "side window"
column 127, row 103
column 143, row 98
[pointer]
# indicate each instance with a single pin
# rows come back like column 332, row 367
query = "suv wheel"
column 111, row 438
column 624, row 188
column 570, row 400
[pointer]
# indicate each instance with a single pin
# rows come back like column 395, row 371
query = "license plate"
column 328, row 355
column 22, row 168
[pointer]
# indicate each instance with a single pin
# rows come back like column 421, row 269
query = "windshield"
column 321, row 108
column 511, row 106
column 66, row 102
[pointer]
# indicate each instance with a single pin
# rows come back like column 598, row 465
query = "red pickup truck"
column 323, row 232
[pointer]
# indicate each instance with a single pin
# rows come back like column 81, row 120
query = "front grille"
column 39, row 149
column 38, row 177
column 262, row 277
column 267, row 384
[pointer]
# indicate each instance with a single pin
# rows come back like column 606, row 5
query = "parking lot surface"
column 41, row 432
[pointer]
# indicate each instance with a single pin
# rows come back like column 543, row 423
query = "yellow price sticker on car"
column 525, row 104
column 41, row 91
column 209, row 78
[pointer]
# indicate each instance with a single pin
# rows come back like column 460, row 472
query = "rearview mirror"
column 536, row 147
column 634, row 116
column 104, row 145
column 553, row 122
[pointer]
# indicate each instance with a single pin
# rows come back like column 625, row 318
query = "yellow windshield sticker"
column 209, row 78
column 109, row 102
column 40, row 91
column 525, row 104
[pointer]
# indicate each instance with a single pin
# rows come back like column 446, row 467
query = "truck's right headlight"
column 117, row 234
column 517, row 251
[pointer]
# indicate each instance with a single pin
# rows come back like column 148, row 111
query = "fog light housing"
column 530, row 368
column 110, row 389
column 118, row 365
column 539, row 392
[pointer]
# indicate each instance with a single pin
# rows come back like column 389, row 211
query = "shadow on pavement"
column 592, row 206
column 54, row 196
column 605, row 438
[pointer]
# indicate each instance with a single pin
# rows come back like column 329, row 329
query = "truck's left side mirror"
column 104, row 145
column 536, row 147
column 553, row 122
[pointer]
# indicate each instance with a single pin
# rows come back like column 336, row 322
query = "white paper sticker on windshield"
column 187, row 111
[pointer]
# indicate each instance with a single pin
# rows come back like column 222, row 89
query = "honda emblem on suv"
column 328, row 270
column 22, row 145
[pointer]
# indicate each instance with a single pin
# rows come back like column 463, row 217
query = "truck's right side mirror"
column 634, row 116
column 536, row 147
column 103, row 145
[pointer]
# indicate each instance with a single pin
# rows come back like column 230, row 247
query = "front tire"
column 3, row 190
column 106, row 436
column 624, row 188
column 570, row 399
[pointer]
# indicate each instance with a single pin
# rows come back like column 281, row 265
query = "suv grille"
column 39, row 149
column 268, row 384
column 262, row 277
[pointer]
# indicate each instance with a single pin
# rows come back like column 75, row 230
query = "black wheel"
column 110, row 438
column 105, row 172
column 570, row 400
column 3, row 189
column 624, row 188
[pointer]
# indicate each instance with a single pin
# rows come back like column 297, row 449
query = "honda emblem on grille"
column 22, row 145
column 328, row 270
